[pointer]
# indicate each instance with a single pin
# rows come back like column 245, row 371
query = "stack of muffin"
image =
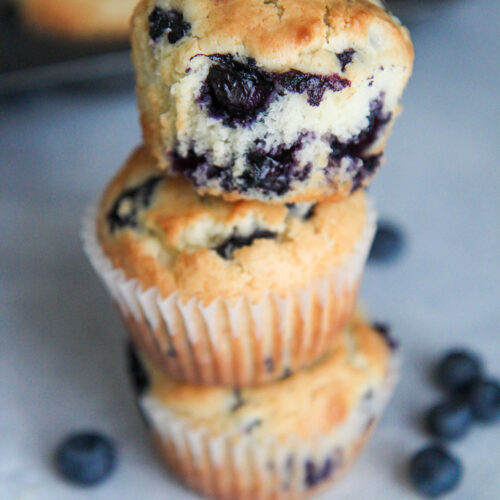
column 234, row 240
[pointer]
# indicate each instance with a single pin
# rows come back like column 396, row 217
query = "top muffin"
column 284, row 101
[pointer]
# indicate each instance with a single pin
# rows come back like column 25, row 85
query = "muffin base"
column 235, row 343
column 227, row 467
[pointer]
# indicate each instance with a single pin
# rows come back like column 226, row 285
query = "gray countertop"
column 61, row 344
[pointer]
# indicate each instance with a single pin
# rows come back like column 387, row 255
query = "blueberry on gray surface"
column 86, row 458
column 226, row 248
column 131, row 201
column 170, row 22
column 484, row 400
column 434, row 471
column 237, row 92
column 449, row 420
column 136, row 370
column 458, row 368
column 387, row 244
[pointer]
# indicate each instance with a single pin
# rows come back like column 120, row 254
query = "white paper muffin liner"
column 234, row 343
column 229, row 467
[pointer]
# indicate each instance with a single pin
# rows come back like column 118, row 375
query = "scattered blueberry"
column 126, row 208
column 435, row 472
column 449, row 420
column 388, row 242
column 226, row 249
column 86, row 458
column 458, row 368
column 484, row 399
column 167, row 21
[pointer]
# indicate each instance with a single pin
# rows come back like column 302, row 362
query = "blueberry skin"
column 449, row 420
column 388, row 243
column 86, row 458
column 435, row 472
column 458, row 368
column 484, row 400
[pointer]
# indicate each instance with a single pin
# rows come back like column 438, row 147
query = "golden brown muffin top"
column 159, row 231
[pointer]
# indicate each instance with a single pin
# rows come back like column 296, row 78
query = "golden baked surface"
column 276, row 101
column 158, row 230
column 316, row 400
column 80, row 19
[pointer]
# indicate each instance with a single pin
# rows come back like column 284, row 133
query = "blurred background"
column 68, row 120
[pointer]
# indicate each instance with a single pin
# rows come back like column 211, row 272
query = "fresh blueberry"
column 86, row 458
column 388, row 243
column 484, row 399
column 458, row 368
column 167, row 21
column 435, row 472
column 449, row 420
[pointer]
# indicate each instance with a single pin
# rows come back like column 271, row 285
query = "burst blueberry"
column 434, row 471
column 226, row 248
column 449, row 420
column 86, row 458
column 458, row 368
column 169, row 22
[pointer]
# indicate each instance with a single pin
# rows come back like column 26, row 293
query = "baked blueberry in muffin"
column 296, row 435
column 230, row 293
column 279, row 102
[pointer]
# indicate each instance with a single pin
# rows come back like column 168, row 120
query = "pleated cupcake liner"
column 235, row 342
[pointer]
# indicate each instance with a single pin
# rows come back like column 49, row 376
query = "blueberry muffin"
column 79, row 19
column 287, row 101
column 218, row 292
column 283, row 440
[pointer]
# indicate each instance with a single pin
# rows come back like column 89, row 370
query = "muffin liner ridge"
column 230, row 465
column 234, row 342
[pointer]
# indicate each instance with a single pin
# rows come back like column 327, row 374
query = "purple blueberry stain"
column 227, row 248
column 169, row 22
column 295, row 210
column 238, row 400
column 131, row 201
column 345, row 58
column 317, row 473
column 252, row 425
column 269, row 364
column 272, row 171
column 238, row 92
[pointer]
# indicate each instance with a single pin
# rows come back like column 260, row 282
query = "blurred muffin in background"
column 84, row 20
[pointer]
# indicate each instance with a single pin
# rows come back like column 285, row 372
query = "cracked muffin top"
column 280, row 33
column 159, row 231
column 337, row 393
